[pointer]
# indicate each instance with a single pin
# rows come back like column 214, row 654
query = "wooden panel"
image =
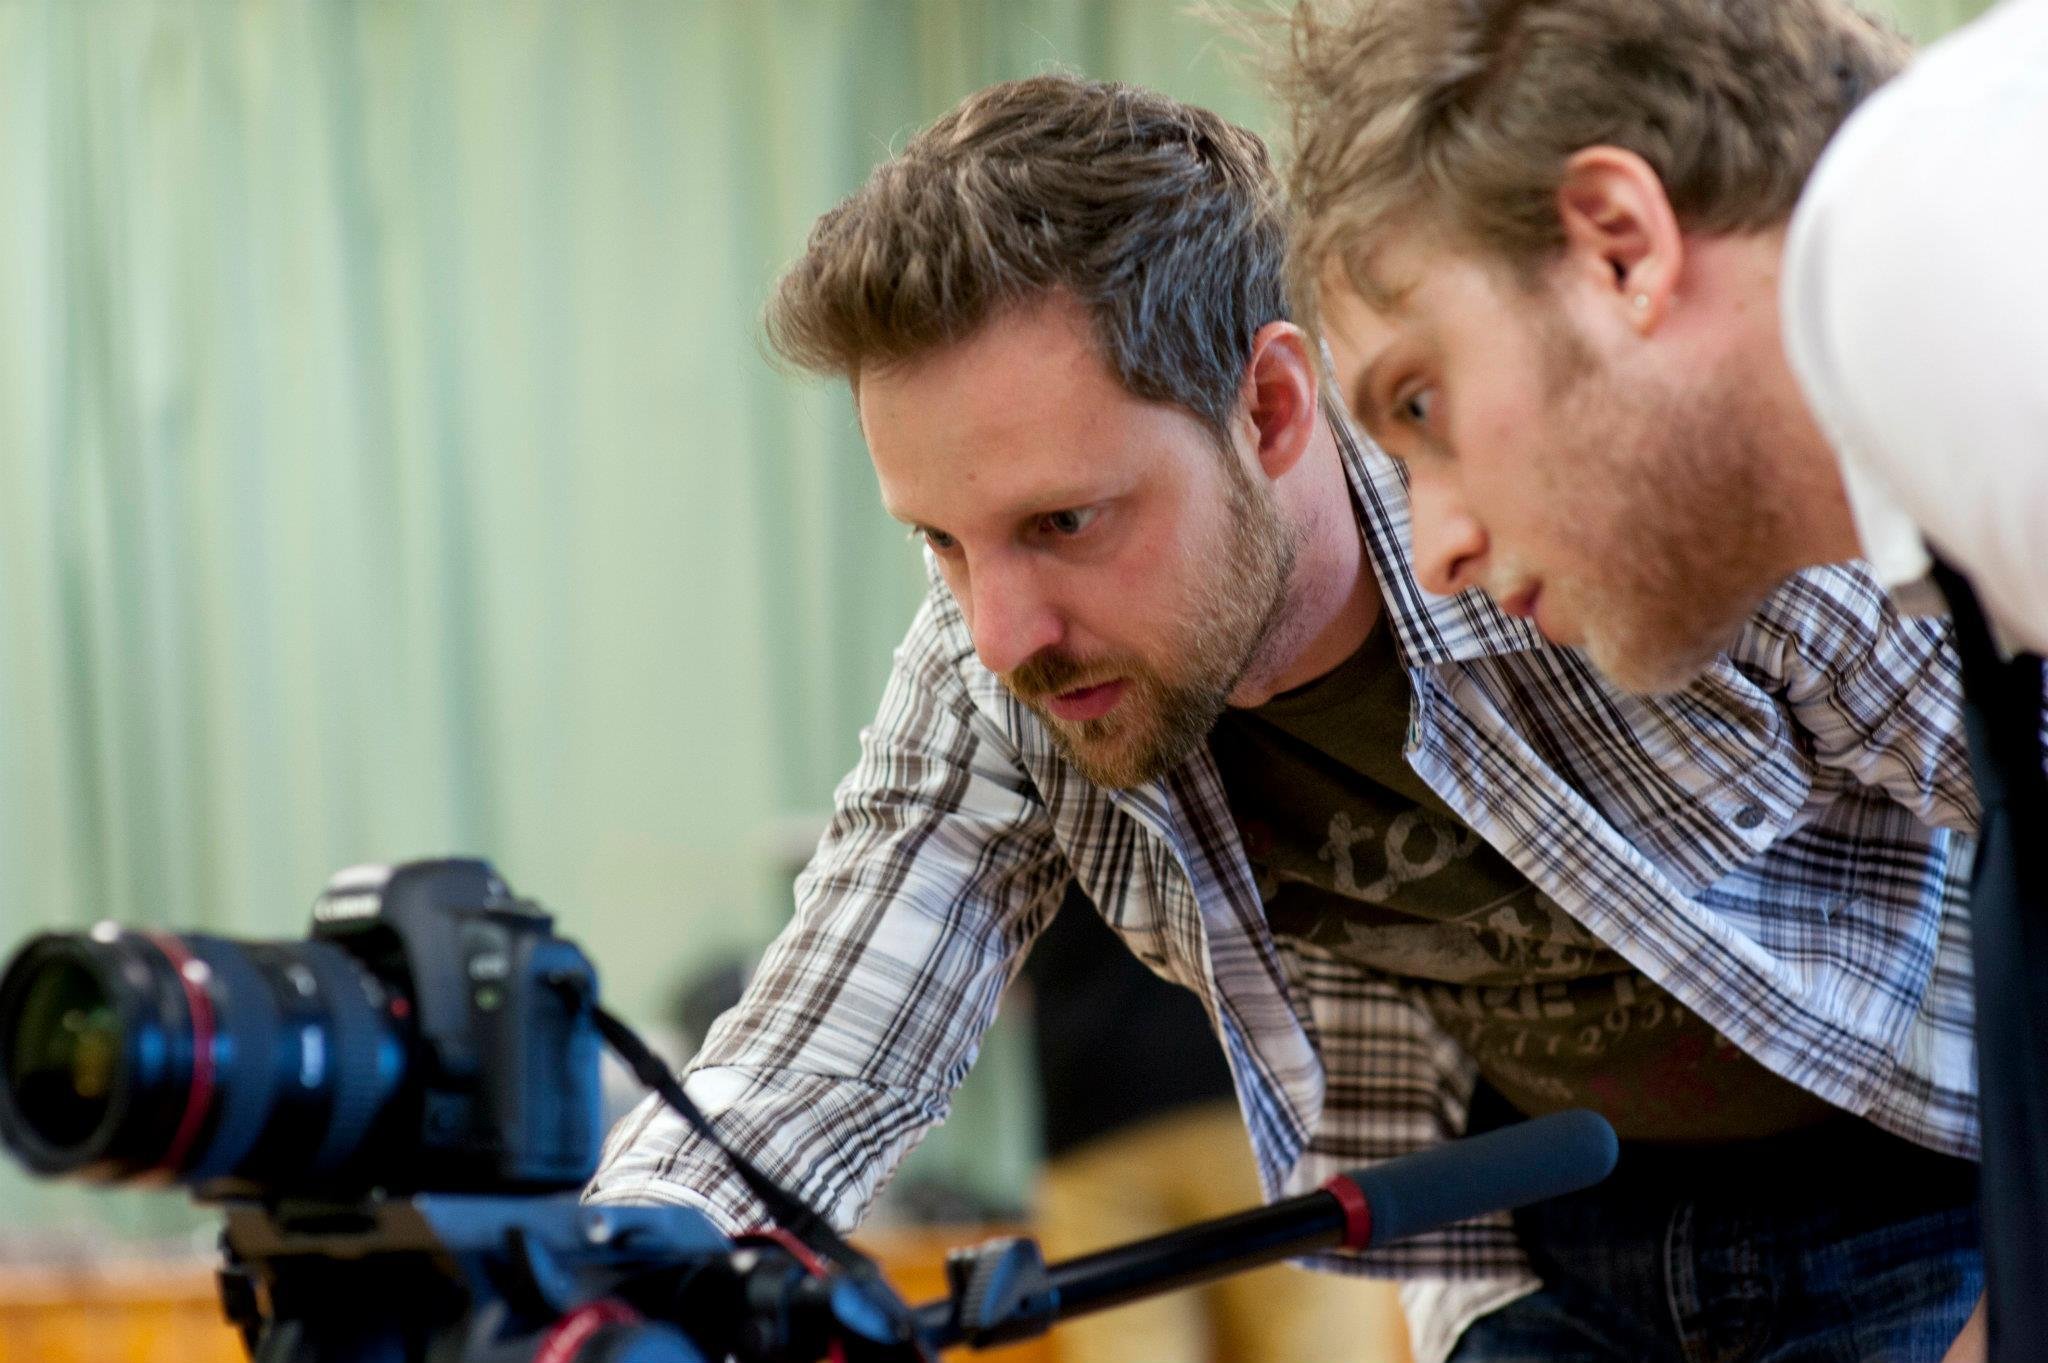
column 118, row 1313
column 114, row 1314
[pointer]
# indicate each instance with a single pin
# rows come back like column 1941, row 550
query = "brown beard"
column 1232, row 610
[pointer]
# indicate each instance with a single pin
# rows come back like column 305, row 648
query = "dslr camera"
column 391, row 1114
column 432, row 1033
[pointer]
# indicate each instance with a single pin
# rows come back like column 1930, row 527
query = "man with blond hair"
column 1661, row 301
column 1424, row 872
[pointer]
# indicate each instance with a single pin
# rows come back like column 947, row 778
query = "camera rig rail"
column 468, row 1278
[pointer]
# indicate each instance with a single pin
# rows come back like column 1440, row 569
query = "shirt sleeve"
column 935, row 873
column 1915, row 309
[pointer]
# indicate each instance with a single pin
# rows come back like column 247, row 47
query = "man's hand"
column 1971, row 1344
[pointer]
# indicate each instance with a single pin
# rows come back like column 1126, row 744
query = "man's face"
column 1117, row 570
column 1556, row 462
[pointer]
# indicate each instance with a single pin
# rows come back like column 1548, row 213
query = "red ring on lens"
column 199, row 1096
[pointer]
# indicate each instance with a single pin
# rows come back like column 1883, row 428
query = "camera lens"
column 195, row 1058
column 64, row 1052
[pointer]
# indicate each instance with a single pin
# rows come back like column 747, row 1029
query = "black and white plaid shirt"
column 1783, row 846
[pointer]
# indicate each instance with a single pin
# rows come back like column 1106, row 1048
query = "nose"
column 1450, row 544
column 1009, row 614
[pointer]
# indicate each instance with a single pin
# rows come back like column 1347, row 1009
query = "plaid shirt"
column 1783, row 847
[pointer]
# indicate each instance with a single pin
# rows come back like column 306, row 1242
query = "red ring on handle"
column 1357, row 1211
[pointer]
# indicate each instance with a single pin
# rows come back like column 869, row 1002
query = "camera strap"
column 784, row 1206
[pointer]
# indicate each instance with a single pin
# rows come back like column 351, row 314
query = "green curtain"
column 389, row 465
column 1926, row 20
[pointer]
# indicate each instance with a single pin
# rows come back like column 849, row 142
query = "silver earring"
column 1642, row 302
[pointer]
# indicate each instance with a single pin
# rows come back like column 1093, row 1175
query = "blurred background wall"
column 389, row 464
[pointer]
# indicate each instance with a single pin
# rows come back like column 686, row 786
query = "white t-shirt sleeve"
column 1915, row 301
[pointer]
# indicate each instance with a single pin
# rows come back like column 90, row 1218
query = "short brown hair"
column 1459, row 115
column 1163, row 220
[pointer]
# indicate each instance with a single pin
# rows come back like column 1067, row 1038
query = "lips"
column 1522, row 604
column 1527, row 604
column 1084, row 703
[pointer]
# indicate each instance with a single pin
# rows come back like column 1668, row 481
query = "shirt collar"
column 1428, row 629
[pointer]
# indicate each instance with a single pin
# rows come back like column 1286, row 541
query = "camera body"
column 506, row 1050
column 432, row 1033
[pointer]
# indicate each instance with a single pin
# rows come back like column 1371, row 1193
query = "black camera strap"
column 786, row 1207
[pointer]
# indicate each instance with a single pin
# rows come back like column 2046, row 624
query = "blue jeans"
column 1836, row 1245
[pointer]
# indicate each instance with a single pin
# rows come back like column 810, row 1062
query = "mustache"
column 1049, row 673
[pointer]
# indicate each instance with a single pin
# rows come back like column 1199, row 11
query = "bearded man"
column 1424, row 872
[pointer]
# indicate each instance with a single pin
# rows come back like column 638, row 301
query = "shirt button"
column 1748, row 817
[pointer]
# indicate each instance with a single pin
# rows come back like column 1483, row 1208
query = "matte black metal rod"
column 1197, row 1254
column 1498, row 1171
column 1182, row 1258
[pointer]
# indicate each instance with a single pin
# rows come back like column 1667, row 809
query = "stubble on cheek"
column 1672, row 541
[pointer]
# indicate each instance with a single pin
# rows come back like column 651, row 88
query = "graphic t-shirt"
column 1356, row 856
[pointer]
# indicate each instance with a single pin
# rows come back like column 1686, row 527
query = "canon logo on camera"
column 353, row 892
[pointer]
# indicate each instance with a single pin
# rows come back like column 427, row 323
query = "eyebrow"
column 1378, row 296
column 1057, row 499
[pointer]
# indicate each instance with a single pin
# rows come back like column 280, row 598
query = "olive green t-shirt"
column 1356, row 855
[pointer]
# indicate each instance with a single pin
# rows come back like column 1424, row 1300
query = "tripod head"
column 446, row 1277
column 469, row 1278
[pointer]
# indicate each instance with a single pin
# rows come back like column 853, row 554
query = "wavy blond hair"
column 1457, row 116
